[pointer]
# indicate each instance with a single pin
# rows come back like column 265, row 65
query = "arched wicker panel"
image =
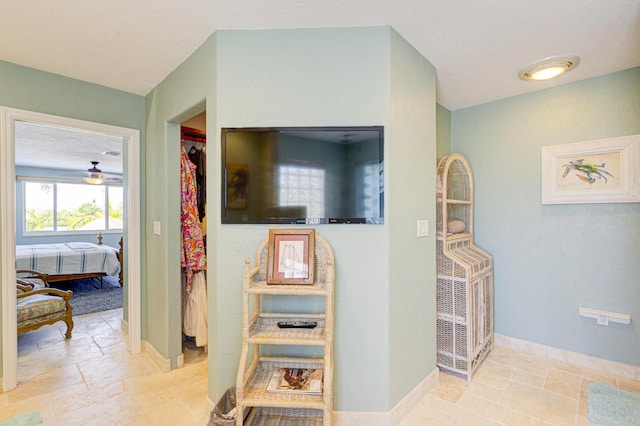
column 464, row 295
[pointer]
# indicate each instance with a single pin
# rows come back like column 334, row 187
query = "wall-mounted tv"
column 303, row 175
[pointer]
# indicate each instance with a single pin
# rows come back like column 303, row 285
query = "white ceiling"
column 53, row 147
column 477, row 47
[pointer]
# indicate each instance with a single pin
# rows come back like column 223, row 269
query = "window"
column 369, row 179
column 70, row 207
column 302, row 186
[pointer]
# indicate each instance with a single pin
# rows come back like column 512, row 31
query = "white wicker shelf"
column 260, row 329
column 454, row 201
column 284, row 417
column 464, row 295
column 263, row 329
column 261, row 287
column 255, row 389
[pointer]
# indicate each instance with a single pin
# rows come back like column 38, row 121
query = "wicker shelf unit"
column 260, row 331
column 464, row 295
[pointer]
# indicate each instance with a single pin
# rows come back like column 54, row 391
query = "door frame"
column 131, row 232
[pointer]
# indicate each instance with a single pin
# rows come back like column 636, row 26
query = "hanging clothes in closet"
column 194, row 141
column 198, row 157
column 192, row 254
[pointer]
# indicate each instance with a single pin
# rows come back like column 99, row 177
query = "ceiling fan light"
column 549, row 68
column 93, row 180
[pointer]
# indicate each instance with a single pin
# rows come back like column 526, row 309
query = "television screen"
column 303, row 175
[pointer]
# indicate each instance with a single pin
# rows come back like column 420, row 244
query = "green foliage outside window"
column 88, row 215
column 38, row 220
column 76, row 219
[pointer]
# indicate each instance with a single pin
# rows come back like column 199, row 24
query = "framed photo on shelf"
column 291, row 256
column 599, row 171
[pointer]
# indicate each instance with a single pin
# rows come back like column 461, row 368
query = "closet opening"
column 193, row 226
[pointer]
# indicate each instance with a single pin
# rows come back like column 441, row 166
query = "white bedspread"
column 68, row 258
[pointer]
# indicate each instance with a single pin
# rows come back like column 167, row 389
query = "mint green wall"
column 33, row 90
column 443, row 131
column 551, row 259
column 315, row 77
column 410, row 196
column 186, row 92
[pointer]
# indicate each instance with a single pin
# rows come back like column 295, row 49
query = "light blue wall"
column 410, row 166
column 551, row 259
column 33, row 90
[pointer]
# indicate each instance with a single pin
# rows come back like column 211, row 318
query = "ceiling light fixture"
column 95, row 175
column 93, row 180
column 549, row 67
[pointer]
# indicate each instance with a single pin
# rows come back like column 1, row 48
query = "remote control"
column 297, row 324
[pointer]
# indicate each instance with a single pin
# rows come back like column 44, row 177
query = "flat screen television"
column 303, row 175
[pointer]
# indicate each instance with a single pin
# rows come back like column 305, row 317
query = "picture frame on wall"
column 237, row 178
column 291, row 255
column 598, row 171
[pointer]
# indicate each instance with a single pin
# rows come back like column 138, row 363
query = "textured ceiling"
column 61, row 148
column 477, row 47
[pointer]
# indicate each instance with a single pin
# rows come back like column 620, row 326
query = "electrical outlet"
column 156, row 227
column 602, row 319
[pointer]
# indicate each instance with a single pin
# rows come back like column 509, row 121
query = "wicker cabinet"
column 266, row 347
column 464, row 295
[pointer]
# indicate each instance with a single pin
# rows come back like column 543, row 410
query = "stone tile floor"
column 513, row 387
column 93, row 380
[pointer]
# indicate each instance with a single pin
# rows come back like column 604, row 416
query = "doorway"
column 131, row 228
column 194, row 304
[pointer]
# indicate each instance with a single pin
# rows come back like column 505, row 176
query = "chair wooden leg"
column 69, row 323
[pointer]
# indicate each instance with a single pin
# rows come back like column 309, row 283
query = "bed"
column 71, row 261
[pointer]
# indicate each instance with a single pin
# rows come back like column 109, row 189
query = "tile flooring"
column 92, row 380
column 513, row 388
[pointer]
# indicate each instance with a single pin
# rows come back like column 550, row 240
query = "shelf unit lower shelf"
column 263, row 416
column 259, row 375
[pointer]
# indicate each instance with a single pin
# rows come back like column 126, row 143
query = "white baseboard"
column 163, row 363
column 124, row 326
column 397, row 413
column 612, row 367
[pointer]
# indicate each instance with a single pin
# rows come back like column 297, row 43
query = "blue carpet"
column 31, row 418
column 88, row 297
column 610, row 406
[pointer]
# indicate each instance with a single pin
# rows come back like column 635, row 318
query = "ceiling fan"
column 94, row 176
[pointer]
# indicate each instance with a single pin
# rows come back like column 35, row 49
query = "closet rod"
column 193, row 135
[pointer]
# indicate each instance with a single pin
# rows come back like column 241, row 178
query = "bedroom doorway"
column 130, row 138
